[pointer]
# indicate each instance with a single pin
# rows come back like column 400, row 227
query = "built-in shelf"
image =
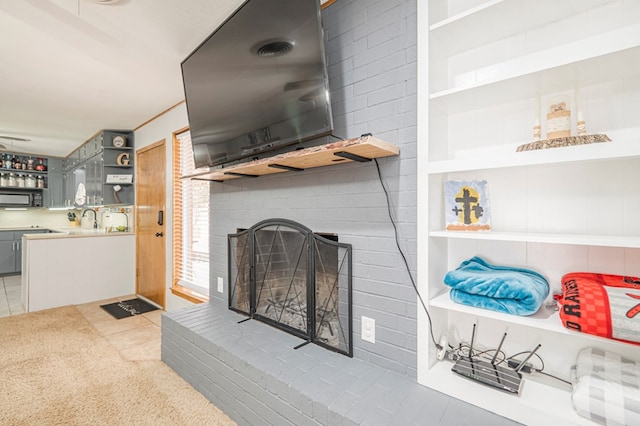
column 113, row 148
column 487, row 23
column 22, row 172
column 21, row 188
column 549, row 403
column 363, row 148
column 494, row 67
column 546, row 319
column 506, row 156
column 585, row 62
column 527, row 237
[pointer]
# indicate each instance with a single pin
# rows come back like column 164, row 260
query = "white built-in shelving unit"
column 486, row 71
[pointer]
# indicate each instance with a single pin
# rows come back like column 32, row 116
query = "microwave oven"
column 20, row 199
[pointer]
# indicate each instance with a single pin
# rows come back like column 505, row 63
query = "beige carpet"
column 55, row 369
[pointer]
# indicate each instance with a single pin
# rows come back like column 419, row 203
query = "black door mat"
column 128, row 308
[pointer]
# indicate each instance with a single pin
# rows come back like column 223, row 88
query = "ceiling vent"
column 274, row 48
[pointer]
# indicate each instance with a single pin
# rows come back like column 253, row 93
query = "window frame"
column 178, row 227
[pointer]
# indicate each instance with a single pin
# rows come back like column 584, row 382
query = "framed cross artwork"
column 467, row 205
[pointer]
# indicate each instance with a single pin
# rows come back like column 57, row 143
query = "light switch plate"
column 220, row 285
column 369, row 329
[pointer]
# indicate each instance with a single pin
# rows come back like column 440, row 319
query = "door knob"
column 159, row 234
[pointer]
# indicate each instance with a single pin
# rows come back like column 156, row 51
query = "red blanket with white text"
column 601, row 304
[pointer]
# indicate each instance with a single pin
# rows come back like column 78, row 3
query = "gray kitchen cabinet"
column 88, row 174
column 72, row 160
column 7, row 257
column 94, row 163
column 11, row 250
column 53, row 195
column 68, row 192
column 7, row 253
column 18, row 251
column 79, row 179
column 18, row 245
column 94, row 181
column 91, row 147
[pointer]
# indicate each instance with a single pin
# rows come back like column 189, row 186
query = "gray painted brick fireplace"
column 250, row 370
column 370, row 47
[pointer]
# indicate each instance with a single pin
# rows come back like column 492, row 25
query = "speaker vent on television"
column 275, row 48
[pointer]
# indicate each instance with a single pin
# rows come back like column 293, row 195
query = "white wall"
column 161, row 128
column 33, row 217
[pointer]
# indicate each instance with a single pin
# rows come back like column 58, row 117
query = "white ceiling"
column 72, row 67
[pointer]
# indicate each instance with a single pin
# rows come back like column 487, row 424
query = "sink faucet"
column 95, row 216
column 126, row 217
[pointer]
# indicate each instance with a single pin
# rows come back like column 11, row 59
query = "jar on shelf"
column 40, row 166
column 4, row 179
column 30, row 163
column 11, row 180
column 20, row 181
column 40, row 182
column 29, row 181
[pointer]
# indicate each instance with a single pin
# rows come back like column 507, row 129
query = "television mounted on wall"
column 258, row 83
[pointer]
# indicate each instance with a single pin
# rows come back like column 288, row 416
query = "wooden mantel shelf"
column 363, row 148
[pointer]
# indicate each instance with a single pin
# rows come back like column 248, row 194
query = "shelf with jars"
column 100, row 164
column 23, row 171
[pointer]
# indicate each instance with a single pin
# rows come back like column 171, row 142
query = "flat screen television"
column 258, row 83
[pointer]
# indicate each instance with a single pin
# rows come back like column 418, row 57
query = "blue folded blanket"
column 505, row 289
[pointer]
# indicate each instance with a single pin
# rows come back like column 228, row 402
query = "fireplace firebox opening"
column 284, row 274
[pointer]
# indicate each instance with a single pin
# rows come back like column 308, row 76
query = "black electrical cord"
column 404, row 258
column 539, row 370
column 488, row 351
column 512, row 357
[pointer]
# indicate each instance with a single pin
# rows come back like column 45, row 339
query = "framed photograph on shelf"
column 467, row 205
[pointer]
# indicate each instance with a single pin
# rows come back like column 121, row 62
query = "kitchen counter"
column 37, row 233
column 23, row 228
column 76, row 265
column 76, row 231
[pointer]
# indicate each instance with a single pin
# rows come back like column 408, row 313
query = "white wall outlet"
column 220, row 285
column 369, row 329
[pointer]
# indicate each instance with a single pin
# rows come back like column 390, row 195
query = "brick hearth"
column 251, row 372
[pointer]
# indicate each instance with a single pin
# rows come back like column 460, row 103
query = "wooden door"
column 150, row 222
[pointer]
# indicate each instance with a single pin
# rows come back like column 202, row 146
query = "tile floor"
column 137, row 338
column 10, row 297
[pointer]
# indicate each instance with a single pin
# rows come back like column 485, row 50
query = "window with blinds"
column 190, row 225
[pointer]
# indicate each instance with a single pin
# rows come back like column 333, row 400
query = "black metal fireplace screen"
column 282, row 273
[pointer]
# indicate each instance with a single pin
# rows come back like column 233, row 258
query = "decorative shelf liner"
column 561, row 142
